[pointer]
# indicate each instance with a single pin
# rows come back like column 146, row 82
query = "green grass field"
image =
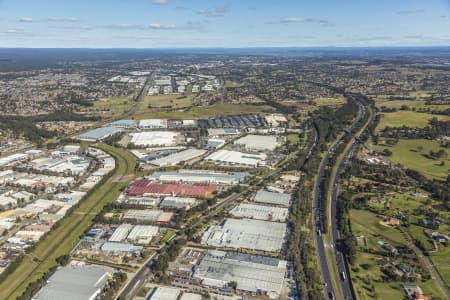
column 366, row 223
column 63, row 238
column 417, row 104
column 113, row 106
column 407, row 118
column 159, row 101
column 329, row 101
column 206, row 111
column 407, row 154
column 169, row 235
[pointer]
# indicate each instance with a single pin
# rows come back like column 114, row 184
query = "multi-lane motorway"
column 345, row 289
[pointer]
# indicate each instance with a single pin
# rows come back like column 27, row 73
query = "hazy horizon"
column 223, row 23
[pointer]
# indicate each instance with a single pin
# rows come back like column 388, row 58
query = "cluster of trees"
column 440, row 189
column 24, row 126
column 166, row 255
column 434, row 130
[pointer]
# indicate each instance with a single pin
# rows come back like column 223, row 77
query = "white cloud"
column 217, row 11
column 162, row 26
column 126, row 26
column 293, row 20
column 410, row 11
column 307, row 20
column 160, row 2
column 61, row 20
column 25, row 20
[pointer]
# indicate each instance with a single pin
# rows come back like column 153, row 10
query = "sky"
column 223, row 23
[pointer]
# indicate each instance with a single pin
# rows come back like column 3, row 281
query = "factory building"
column 200, row 176
column 147, row 216
column 155, row 138
column 121, row 233
column 152, row 124
column 74, row 283
column 99, row 134
column 127, row 124
column 227, row 157
column 179, row 157
column 273, row 198
column 254, row 274
column 165, row 293
column 142, row 234
column 121, row 248
column 260, row 212
column 178, row 202
column 223, row 131
column 144, row 187
column 246, row 234
column 258, row 142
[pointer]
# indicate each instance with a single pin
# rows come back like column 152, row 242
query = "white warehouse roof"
column 247, row 234
column 260, row 212
column 258, row 142
column 200, row 176
column 237, row 158
column 154, row 138
column 178, row 157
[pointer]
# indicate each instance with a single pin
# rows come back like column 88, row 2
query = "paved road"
column 319, row 211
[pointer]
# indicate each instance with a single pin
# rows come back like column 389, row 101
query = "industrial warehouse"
column 246, row 234
column 239, row 121
column 178, row 157
column 74, row 283
column 254, row 274
column 99, row 134
column 156, row 138
column 142, row 187
column 200, row 176
column 259, row 142
column 260, row 212
column 227, row 157
column 273, row 198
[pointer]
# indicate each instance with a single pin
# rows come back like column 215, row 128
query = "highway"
column 346, row 288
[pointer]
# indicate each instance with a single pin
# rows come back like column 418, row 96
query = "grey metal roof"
column 73, row 283
column 99, row 133
column 250, row 272
column 272, row 198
